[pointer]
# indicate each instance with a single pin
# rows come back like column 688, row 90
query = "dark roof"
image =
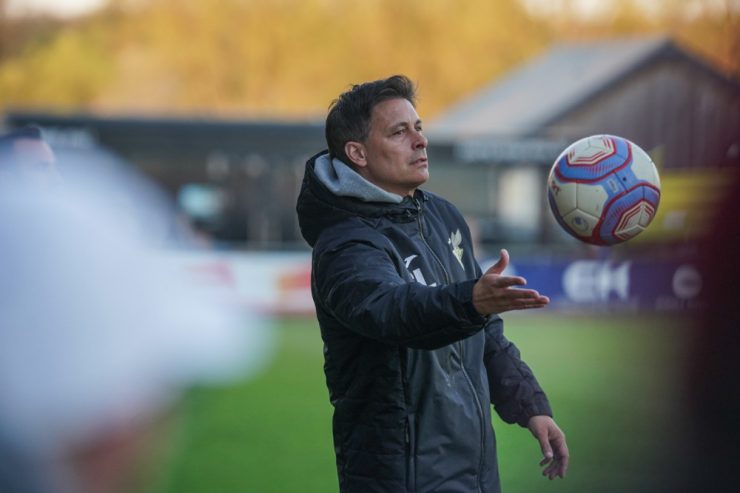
column 565, row 77
column 183, row 134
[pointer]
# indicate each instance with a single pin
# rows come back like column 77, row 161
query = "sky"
column 74, row 7
column 67, row 8
column 587, row 8
column 596, row 8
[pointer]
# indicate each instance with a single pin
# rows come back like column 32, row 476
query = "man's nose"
column 420, row 142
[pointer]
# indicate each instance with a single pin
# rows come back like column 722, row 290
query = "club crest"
column 457, row 251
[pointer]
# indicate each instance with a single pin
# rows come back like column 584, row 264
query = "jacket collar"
column 319, row 206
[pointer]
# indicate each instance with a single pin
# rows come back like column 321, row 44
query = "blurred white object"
column 97, row 325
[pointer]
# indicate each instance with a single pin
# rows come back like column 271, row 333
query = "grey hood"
column 343, row 181
column 332, row 192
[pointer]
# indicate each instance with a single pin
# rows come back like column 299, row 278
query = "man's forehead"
column 394, row 111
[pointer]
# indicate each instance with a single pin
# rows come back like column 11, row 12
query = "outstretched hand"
column 555, row 455
column 496, row 293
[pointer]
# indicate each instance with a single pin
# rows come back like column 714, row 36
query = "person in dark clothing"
column 413, row 344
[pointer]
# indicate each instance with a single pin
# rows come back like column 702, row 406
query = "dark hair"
column 7, row 141
column 349, row 115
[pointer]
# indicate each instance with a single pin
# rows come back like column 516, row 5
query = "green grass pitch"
column 613, row 381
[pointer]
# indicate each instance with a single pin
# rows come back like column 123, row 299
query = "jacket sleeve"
column 358, row 283
column 515, row 393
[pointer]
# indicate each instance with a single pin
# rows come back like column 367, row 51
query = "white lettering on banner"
column 686, row 282
column 589, row 281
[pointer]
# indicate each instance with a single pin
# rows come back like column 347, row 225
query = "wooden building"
column 673, row 104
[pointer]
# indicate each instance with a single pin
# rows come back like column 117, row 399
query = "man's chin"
column 420, row 181
column 423, row 177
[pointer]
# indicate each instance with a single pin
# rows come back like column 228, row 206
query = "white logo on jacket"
column 454, row 242
column 418, row 276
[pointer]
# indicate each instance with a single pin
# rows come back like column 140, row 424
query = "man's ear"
column 355, row 151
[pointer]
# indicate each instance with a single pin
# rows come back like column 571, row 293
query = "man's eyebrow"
column 404, row 124
column 398, row 125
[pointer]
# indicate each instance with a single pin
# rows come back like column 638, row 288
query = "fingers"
column 554, row 470
column 553, row 446
column 521, row 298
column 526, row 303
column 496, row 293
column 547, row 454
column 558, row 466
column 502, row 299
column 506, row 281
column 503, row 263
column 562, row 455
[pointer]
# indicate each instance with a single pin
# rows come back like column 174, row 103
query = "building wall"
column 682, row 114
column 253, row 168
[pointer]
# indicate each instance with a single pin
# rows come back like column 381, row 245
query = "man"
column 414, row 348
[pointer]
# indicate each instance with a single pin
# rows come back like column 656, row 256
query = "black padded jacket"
column 411, row 367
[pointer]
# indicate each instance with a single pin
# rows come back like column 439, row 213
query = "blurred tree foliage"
column 709, row 28
column 289, row 58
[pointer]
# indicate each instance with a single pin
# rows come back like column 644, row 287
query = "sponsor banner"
column 280, row 283
column 642, row 285
column 269, row 283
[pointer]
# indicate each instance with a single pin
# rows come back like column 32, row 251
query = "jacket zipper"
column 480, row 415
column 459, row 345
column 424, row 239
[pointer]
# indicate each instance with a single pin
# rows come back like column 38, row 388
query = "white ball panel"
column 643, row 167
column 629, row 232
column 599, row 144
column 590, row 150
column 629, row 221
column 582, row 223
column 591, row 198
column 564, row 195
column 579, row 147
column 646, row 215
column 634, row 220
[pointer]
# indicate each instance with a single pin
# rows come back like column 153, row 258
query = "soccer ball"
column 603, row 189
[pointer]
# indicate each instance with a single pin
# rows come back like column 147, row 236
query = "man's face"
column 395, row 151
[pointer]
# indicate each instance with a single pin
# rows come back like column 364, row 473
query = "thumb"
column 547, row 454
column 502, row 263
column 542, row 435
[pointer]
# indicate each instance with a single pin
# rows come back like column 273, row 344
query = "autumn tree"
column 289, row 58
